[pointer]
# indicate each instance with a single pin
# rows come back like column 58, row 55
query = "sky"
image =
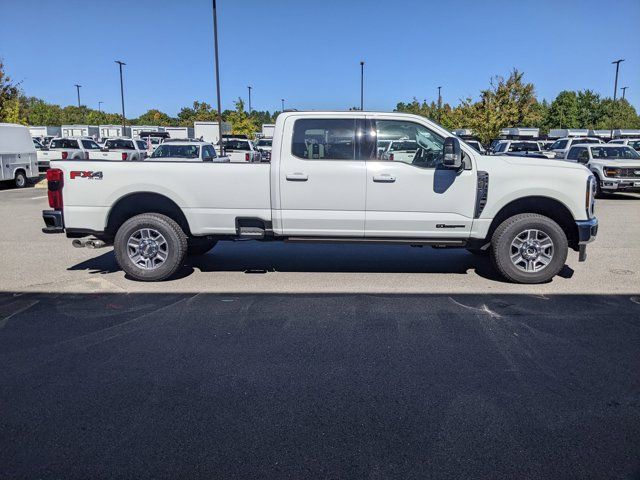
column 308, row 51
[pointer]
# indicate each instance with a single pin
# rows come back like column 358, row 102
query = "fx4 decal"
column 89, row 175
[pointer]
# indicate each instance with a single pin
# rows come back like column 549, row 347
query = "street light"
column 282, row 100
column 624, row 89
column 439, row 105
column 215, row 44
column 78, row 91
column 120, row 64
column 249, row 87
column 99, row 108
column 361, row 85
column 615, row 91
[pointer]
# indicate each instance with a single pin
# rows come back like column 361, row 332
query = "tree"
column 241, row 123
column 563, row 112
column 200, row 112
column 10, row 110
column 41, row 113
column 589, row 109
column 618, row 114
column 155, row 117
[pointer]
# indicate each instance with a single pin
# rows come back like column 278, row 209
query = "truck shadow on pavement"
column 261, row 258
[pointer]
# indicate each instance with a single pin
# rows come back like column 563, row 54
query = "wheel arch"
column 547, row 206
column 137, row 203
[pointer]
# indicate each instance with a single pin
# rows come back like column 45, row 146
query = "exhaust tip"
column 78, row 243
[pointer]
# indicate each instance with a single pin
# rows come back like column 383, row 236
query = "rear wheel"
column 200, row 246
column 150, row 247
column 529, row 248
column 20, row 180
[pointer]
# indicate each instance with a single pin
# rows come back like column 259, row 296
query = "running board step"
column 406, row 241
column 251, row 232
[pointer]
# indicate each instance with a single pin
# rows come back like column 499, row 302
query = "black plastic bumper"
column 587, row 231
column 53, row 220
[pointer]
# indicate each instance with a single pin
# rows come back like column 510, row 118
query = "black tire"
column 599, row 192
column 199, row 246
column 20, row 180
column 505, row 235
column 175, row 241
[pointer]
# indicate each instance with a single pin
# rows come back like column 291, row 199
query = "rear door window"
column 324, row 139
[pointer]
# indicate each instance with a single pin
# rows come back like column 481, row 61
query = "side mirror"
column 452, row 154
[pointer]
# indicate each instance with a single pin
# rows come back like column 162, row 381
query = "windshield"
column 635, row 144
column 264, row 143
column 585, row 140
column 614, row 153
column 525, row 147
column 63, row 143
column 167, row 150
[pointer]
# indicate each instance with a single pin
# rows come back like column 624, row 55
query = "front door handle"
column 384, row 178
column 297, row 177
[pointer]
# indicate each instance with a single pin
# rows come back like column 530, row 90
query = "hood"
column 625, row 163
column 530, row 162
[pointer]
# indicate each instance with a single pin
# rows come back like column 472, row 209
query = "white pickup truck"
column 71, row 148
column 325, row 183
column 121, row 149
column 241, row 150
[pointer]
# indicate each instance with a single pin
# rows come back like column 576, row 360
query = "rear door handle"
column 384, row 178
column 297, row 177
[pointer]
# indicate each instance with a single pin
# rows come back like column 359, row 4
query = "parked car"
column 616, row 167
column 240, row 150
column 18, row 160
column 476, row 145
column 325, row 183
column 632, row 142
column 186, row 151
column 74, row 148
column 121, row 149
column 561, row 146
column 263, row 145
column 401, row 151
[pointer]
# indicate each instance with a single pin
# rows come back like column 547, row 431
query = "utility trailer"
column 179, row 132
column 137, row 129
column 209, row 131
column 80, row 131
column 568, row 132
column 113, row 131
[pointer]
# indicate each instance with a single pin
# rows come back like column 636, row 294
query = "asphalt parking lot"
column 302, row 361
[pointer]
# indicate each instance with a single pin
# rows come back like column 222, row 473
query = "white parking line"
column 38, row 198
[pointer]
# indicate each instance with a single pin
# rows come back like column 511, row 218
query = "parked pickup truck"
column 325, row 183
column 615, row 167
column 72, row 148
column 241, row 150
column 186, row 151
column 121, row 149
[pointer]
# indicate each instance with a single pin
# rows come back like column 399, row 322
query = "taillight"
column 246, row 157
column 55, row 182
column 65, row 155
column 124, row 156
column 391, row 157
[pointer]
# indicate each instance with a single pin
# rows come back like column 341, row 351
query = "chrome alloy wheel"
column 147, row 248
column 531, row 250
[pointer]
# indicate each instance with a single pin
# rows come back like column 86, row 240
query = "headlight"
column 611, row 172
column 590, row 196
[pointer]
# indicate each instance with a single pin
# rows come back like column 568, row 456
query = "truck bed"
column 211, row 195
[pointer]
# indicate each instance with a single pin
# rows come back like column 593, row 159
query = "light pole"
column 120, row 64
column 99, row 107
column 615, row 91
column 249, row 87
column 361, row 85
column 624, row 90
column 282, row 100
column 439, row 105
column 78, row 92
column 215, row 45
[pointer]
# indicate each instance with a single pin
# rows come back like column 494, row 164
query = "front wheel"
column 150, row 247
column 529, row 248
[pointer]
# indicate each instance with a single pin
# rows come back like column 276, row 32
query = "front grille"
column 629, row 173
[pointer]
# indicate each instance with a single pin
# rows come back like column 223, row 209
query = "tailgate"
column 100, row 155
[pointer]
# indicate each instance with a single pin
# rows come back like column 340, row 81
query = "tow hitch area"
column 88, row 243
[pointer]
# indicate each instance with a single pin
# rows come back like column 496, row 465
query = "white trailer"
column 626, row 133
column 209, row 131
column 603, row 134
column 44, row 131
column 267, row 130
column 179, row 132
column 136, row 129
column 113, row 131
column 80, row 131
column 568, row 132
column 520, row 132
column 18, row 160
